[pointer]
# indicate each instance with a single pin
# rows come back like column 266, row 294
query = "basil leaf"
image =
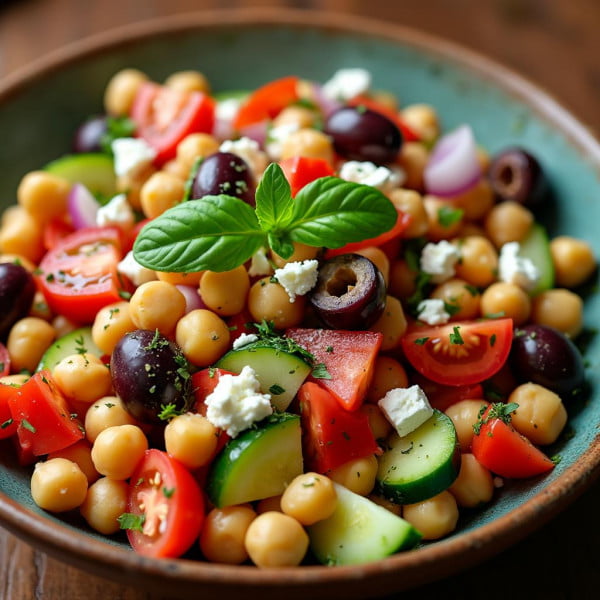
column 281, row 245
column 332, row 212
column 274, row 202
column 215, row 233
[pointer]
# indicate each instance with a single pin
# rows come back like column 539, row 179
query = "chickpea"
column 478, row 262
column 192, row 279
column 403, row 279
column 82, row 377
column 440, row 228
column 541, row 415
column 157, row 305
column 131, row 184
column 468, row 228
column 194, row 146
column 387, row 504
column 458, row 293
column 392, row 324
column 309, row 498
column 380, row 426
column 17, row 259
column 175, row 168
column 435, row 517
column 41, row 310
column 225, row 293
column 223, row 534
column 378, row 257
column 159, row 193
column 43, row 195
column 27, row 341
column 21, row 234
column 413, row 160
column 117, row 450
column 308, row 142
column 188, row 81
column 111, row 323
column 388, row 374
column 203, row 337
column 269, row 301
column 464, row 415
column 411, row 203
column 507, row 222
column 423, row 120
column 58, row 485
column 62, row 325
column 558, row 308
column 104, row 413
column 299, row 116
column 81, row 454
column 474, row 485
column 105, row 502
column 191, row 439
column 357, row 475
column 276, row 540
column 121, row 90
column 476, row 201
column 507, row 299
column 573, row 259
column 301, row 253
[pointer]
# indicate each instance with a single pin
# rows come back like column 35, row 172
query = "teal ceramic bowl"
column 41, row 106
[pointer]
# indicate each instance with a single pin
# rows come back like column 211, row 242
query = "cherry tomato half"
column 167, row 495
column 461, row 352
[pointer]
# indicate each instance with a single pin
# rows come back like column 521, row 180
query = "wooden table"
column 554, row 43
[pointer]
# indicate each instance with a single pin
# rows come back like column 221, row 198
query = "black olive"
column 350, row 293
column 17, row 289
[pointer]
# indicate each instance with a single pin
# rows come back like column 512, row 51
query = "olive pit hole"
column 342, row 282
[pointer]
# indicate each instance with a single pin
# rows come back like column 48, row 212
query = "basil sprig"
column 220, row 233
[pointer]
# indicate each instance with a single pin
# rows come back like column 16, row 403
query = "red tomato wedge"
column 331, row 435
column 164, row 116
column 267, row 101
column 505, row 452
column 8, row 425
column 55, row 231
column 461, row 352
column 301, row 170
column 79, row 275
column 4, row 360
column 45, row 423
column 167, row 495
column 348, row 356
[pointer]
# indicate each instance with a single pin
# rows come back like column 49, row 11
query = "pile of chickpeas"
column 92, row 475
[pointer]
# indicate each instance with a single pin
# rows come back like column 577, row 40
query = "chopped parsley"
column 276, row 390
column 169, row 411
column 131, row 521
column 27, row 425
column 168, row 492
column 448, row 216
column 455, row 337
column 497, row 410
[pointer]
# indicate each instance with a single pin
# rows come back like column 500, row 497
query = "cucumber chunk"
column 536, row 247
column 279, row 373
column 94, row 170
column 76, row 342
column 421, row 464
column 259, row 463
column 359, row 531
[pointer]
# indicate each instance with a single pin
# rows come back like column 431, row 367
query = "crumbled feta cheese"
column 432, row 311
column 406, row 408
column 135, row 272
column 275, row 138
column 516, row 269
column 227, row 109
column 298, row 278
column 117, row 212
column 368, row 173
column 249, row 150
column 438, row 260
column 347, row 83
column 236, row 402
column 259, row 264
column 131, row 155
column 244, row 339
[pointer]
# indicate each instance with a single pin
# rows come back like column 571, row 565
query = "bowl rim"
column 425, row 564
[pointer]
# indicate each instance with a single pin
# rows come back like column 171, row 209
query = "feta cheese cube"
column 368, row 173
column 259, row 264
column 131, row 155
column 248, row 150
column 516, row 269
column 226, row 110
column 135, row 272
column 406, row 408
column 432, row 311
column 244, row 339
column 298, row 278
column 438, row 260
column 236, row 402
column 117, row 212
column 347, row 83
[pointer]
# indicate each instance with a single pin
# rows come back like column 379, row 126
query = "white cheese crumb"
column 227, row 109
column 244, row 339
column 236, row 402
column 432, row 311
column 131, row 155
column 438, row 260
column 249, row 150
column 347, row 83
column 135, row 272
column 516, row 269
column 368, row 173
column 260, row 265
column 406, row 408
column 298, row 278
column 117, row 212
column 275, row 138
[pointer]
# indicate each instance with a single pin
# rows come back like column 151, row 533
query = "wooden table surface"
column 553, row 43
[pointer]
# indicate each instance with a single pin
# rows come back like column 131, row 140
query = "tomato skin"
column 79, row 275
column 331, row 435
column 301, row 170
column 4, row 360
column 505, row 452
column 184, row 502
column 239, row 324
column 55, row 231
column 45, row 423
column 482, row 360
column 8, row 425
column 443, row 396
column 164, row 116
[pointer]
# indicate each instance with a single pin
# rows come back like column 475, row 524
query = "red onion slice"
column 453, row 166
column 82, row 206
column 193, row 300
column 325, row 104
column 256, row 131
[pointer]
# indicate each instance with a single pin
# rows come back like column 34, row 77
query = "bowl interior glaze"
column 40, row 109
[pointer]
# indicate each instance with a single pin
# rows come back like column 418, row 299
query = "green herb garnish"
column 498, row 410
column 455, row 337
column 131, row 521
column 116, row 127
column 448, row 216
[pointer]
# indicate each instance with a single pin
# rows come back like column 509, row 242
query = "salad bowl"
column 42, row 105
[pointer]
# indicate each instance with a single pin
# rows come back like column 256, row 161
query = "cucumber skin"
column 66, row 345
column 410, row 492
column 536, row 247
column 94, row 170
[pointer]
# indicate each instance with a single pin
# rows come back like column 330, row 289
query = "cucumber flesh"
column 94, row 170
column 259, row 463
column 421, row 464
column 279, row 373
column 536, row 247
column 359, row 531
column 76, row 342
